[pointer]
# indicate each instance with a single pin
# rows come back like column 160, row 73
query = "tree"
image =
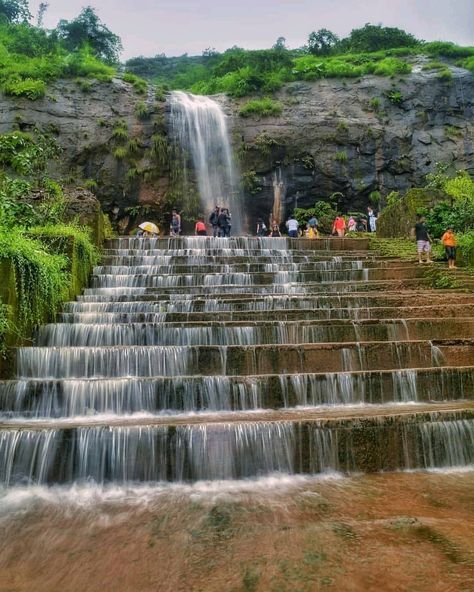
column 42, row 8
column 321, row 42
column 87, row 29
column 14, row 11
column 375, row 37
column 280, row 44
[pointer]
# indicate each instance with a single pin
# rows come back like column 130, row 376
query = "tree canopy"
column 88, row 29
column 376, row 37
column 14, row 11
column 322, row 42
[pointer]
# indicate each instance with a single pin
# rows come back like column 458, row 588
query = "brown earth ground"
column 387, row 532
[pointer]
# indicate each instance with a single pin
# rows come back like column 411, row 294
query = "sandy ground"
column 394, row 532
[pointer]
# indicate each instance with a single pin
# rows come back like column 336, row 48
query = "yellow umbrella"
column 149, row 227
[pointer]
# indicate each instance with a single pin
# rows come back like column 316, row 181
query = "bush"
column 41, row 279
column 29, row 88
column 139, row 84
column 261, row 107
column 141, row 110
column 447, row 50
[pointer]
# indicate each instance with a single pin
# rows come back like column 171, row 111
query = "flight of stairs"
column 200, row 358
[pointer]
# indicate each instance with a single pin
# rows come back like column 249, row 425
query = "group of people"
column 220, row 221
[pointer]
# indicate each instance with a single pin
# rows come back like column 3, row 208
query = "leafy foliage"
column 14, row 11
column 88, row 30
column 266, row 107
column 322, row 42
column 323, row 211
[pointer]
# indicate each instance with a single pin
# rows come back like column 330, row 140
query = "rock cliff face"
column 353, row 137
column 84, row 121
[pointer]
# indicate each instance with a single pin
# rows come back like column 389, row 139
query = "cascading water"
column 191, row 359
column 199, row 125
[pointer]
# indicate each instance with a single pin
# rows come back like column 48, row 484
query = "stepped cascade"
column 206, row 359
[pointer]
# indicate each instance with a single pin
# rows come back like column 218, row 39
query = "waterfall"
column 199, row 125
column 278, row 196
column 198, row 358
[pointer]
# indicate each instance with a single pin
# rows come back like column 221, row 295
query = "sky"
column 175, row 27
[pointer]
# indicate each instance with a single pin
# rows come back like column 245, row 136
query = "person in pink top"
column 339, row 226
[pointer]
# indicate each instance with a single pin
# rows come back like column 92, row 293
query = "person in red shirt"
column 200, row 228
column 339, row 226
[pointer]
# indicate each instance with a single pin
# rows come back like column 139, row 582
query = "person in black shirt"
column 423, row 240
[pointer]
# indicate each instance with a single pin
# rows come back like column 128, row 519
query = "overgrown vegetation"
column 372, row 49
column 42, row 260
column 265, row 107
column 31, row 57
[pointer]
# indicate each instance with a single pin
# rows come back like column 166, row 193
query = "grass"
column 141, row 110
column 265, row 107
column 139, row 84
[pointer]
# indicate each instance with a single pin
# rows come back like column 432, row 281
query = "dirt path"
column 395, row 532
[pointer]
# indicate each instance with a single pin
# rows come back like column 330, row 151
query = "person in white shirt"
column 292, row 225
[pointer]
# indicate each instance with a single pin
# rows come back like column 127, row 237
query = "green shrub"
column 120, row 132
column 251, row 182
column 447, row 50
column 141, row 110
column 266, row 107
column 139, row 84
column 322, row 211
column 390, row 67
column 468, row 64
column 445, row 74
column 375, row 103
column 434, row 65
column 341, row 156
column 41, row 279
column 29, row 88
column 395, row 97
column 120, row 153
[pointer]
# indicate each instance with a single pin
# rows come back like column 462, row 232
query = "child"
column 449, row 241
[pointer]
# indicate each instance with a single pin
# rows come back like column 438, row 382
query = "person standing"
column 214, row 221
column 423, row 240
column 292, row 225
column 449, row 241
column 339, row 226
column 351, row 224
column 175, row 227
column 261, row 228
column 372, row 219
column 224, row 222
column 275, row 231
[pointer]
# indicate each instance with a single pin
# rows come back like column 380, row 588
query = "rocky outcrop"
column 350, row 137
column 84, row 118
column 354, row 137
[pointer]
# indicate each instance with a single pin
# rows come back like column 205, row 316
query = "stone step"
column 225, row 267
column 240, row 242
column 226, row 301
column 110, row 257
column 282, row 314
column 245, row 333
column 191, row 394
column 176, row 280
column 116, row 361
column 142, row 293
column 238, row 447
